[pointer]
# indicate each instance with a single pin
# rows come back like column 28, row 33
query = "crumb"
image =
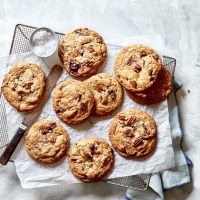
column 188, row 91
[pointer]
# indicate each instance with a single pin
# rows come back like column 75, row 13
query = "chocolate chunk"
column 78, row 97
column 133, row 83
column 152, row 78
column 44, row 130
column 137, row 68
column 58, row 111
column 88, row 63
column 150, row 72
column 28, row 85
column 78, row 31
column 53, row 125
column 52, row 139
column 99, row 88
column 87, row 154
column 84, row 106
column 73, row 66
column 73, row 159
column 143, row 54
column 121, row 117
column 112, row 94
column 129, row 133
column 92, row 148
column 145, row 129
column 81, row 52
column 137, row 142
column 61, row 87
column 129, row 62
column 156, row 57
column 90, row 49
column 99, row 40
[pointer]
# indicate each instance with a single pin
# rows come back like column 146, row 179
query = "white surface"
column 47, row 175
column 179, row 25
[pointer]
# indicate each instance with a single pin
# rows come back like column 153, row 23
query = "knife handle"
column 12, row 145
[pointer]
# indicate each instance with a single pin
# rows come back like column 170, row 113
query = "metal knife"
column 31, row 116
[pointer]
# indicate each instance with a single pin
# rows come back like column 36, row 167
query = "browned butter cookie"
column 23, row 86
column 82, row 52
column 72, row 101
column 158, row 92
column 91, row 159
column 47, row 141
column 137, row 67
column 107, row 92
column 133, row 133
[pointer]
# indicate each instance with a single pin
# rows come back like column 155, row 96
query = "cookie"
column 133, row 133
column 73, row 101
column 137, row 67
column 23, row 86
column 107, row 92
column 91, row 159
column 47, row 141
column 82, row 52
column 158, row 92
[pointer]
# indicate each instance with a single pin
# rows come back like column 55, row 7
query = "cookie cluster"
column 140, row 70
column 132, row 133
column 74, row 100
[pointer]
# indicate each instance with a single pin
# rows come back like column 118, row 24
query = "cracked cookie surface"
column 91, row 159
column 158, row 92
column 23, row 86
column 107, row 92
column 133, row 133
column 72, row 101
column 137, row 67
column 47, row 141
column 82, row 52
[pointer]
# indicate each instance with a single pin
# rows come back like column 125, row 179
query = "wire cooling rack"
column 20, row 44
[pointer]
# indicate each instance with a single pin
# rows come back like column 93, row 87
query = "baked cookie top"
column 91, row 159
column 72, row 101
column 157, row 92
column 82, row 52
column 107, row 92
column 47, row 141
column 23, row 86
column 137, row 67
column 133, row 133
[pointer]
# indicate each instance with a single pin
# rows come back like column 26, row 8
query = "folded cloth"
column 176, row 176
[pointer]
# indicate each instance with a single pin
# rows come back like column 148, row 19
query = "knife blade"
column 31, row 116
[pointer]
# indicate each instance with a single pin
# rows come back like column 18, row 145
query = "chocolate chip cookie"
column 23, row 86
column 133, row 133
column 73, row 101
column 107, row 92
column 47, row 141
column 158, row 92
column 91, row 159
column 137, row 67
column 82, row 52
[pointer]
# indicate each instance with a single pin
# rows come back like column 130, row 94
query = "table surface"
column 178, row 22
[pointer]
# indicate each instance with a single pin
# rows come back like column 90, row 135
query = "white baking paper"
column 32, row 174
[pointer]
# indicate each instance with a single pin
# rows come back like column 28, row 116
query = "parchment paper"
column 32, row 174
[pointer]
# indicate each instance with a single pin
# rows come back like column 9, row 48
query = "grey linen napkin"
column 176, row 176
